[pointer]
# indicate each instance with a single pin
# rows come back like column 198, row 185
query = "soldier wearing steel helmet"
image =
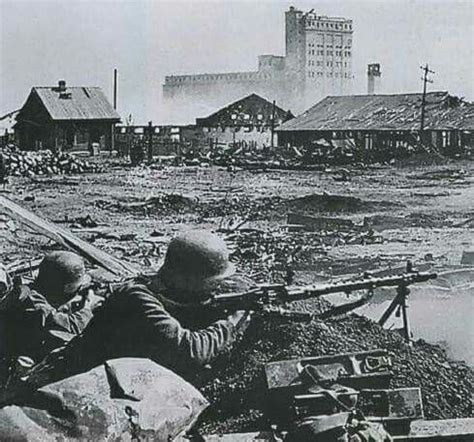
column 141, row 319
column 42, row 316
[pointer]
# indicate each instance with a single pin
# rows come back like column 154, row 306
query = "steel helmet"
column 61, row 273
column 197, row 255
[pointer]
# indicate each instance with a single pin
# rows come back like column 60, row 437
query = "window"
column 319, row 63
column 157, row 130
column 328, row 52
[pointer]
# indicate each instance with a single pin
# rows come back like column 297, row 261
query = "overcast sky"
column 82, row 41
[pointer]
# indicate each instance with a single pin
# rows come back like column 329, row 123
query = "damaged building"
column 374, row 127
column 65, row 118
column 250, row 121
column 317, row 62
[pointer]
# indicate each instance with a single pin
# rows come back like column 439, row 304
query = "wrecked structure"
column 377, row 127
column 64, row 118
column 317, row 62
column 250, row 121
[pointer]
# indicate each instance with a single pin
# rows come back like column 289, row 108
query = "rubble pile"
column 44, row 162
column 238, row 389
column 261, row 252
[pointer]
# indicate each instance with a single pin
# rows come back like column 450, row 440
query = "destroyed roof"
column 385, row 112
column 251, row 110
column 76, row 103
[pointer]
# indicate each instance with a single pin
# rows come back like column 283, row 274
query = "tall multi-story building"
column 317, row 63
column 318, row 54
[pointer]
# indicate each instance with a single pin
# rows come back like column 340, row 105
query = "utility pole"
column 115, row 89
column 273, row 125
column 425, row 80
column 150, row 141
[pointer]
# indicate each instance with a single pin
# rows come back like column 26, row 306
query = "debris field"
column 318, row 227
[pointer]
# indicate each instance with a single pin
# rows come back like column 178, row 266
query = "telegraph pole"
column 273, row 124
column 425, row 80
column 150, row 141
column 115, row 89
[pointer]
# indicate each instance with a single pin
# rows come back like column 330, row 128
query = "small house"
column 65, row 118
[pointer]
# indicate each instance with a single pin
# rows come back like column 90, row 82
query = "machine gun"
column 273, row 298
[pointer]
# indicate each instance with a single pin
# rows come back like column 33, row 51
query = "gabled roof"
column 76, row 103
column 250, row 110
column 384, row 112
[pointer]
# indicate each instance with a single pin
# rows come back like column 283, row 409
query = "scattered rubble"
column 44, row 162
column 238, row 389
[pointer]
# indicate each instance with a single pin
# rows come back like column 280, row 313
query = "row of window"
column 329, row 64
column 330, row 53
column 313, row 74
column 329, row 25
column 329, row 45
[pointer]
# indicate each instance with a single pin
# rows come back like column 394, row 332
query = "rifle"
column 273, row 298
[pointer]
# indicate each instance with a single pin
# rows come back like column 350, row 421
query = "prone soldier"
column 37, row 318
column 135, row 320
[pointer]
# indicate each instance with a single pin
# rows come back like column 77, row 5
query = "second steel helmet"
column 61, row 273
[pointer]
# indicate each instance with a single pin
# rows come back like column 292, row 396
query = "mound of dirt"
column 243, row 206
column 317, row 203
column 237, row 390
column 164, row 204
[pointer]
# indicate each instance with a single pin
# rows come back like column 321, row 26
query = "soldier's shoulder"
column 133, row 288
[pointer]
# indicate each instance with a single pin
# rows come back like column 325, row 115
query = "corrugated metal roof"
column 385, row 112
column 84, row 103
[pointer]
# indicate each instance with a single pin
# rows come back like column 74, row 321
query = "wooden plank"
column 445, row 429
column 68, row 240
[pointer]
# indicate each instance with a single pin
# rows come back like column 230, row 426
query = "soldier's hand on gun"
column 240, row 319
column 92, row 301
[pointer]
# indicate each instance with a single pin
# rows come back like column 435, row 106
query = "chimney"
column 373, row 78
column 61, row 86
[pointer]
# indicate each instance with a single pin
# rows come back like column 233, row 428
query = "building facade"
column 63, row 118
column 318, row 55
column 317, row 62
column 378, row 127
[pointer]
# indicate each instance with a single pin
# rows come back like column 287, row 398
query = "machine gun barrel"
column 275, row 294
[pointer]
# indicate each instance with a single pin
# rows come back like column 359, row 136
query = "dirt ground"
column 376, row 221
column 423, row 214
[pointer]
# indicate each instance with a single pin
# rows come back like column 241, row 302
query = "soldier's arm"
column 177, row 344
column 49, row 318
